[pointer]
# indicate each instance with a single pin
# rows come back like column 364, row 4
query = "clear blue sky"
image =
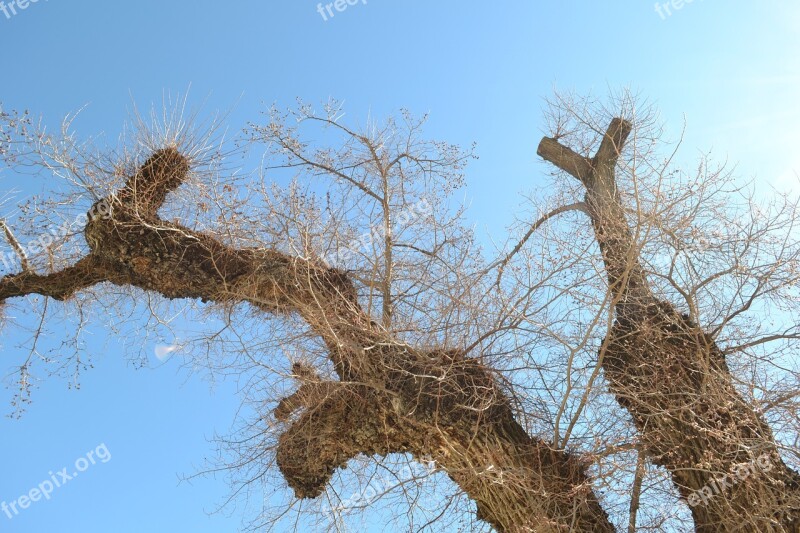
column 732, row 69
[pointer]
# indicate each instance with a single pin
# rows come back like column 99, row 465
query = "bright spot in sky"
column 163, row 351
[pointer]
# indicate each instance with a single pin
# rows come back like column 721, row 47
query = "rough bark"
column 673, row 379
column 390, row 398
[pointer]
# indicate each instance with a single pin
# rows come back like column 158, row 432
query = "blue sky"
column 730, row 69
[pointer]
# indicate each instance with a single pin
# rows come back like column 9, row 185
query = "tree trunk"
column 673, row 379
column 390, row 398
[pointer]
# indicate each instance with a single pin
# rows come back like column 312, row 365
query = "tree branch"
column 577, row 206
column 59, row 285
column 613, row 141
column 564, row 158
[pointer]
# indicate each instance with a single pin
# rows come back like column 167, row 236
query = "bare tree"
column 399, row 340
column 670, row 373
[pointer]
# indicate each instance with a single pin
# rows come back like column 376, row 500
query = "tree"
column 402, row 339
column 671, row 375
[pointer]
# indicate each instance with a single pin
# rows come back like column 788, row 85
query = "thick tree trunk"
column 390, row 398
column 673, row 379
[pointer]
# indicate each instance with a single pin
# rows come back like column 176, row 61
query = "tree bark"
column 673, row 379
column 391, row 397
